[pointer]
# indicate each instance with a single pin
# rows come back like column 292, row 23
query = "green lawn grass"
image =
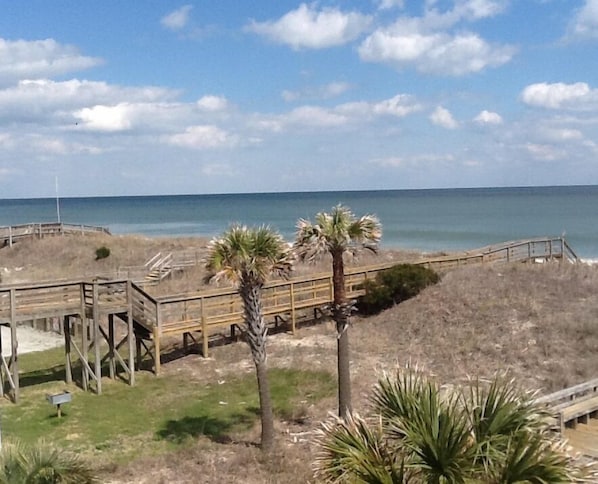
column 155, row 415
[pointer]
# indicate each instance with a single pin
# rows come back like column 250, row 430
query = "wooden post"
column 10, row 236
column 157, row 334
column 96, row 337
column 1, row 367
column 111, row 360
column 14, row 343
column 67, row 350
column 204, row 331
column 292, row 296
column 131, row 333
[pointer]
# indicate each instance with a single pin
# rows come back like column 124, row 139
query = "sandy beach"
column 30, row 340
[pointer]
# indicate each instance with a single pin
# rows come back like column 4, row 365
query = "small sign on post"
column 58, row 399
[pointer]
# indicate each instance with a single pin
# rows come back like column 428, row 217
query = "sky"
column 147, row 97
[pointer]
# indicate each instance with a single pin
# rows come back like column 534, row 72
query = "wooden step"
column 584, row 408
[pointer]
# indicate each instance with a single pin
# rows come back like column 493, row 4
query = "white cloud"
column 400, row 106
column 433, row 53
column 177, row 19
column 488, row 117
column 202, row 137
column 387, row 4
column 327, row 91
column 212, row 103
column 22, row 59
column 545, row 152
column 315, row 116
column 309, row 28
column 559, row 95
column 478, row 9
column 585, row 22
column 443, row 117
column 106, row 118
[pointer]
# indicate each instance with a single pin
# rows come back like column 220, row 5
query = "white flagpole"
column 57, row 199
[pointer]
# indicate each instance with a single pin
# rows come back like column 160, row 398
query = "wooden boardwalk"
column 11, row 234
column 121, row 323
column 575, row 411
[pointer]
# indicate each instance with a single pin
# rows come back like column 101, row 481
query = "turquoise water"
column 426, row 220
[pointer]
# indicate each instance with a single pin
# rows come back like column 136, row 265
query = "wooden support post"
column 1, row 367
column 14, row 363
column 84, row 348
column 67, row 350
column 111, row 359
column 96, row 337
column 10, row 236
column 156, row 350
column 131, row 333
column 138, row 352
column 293, row 317
column 204, row 331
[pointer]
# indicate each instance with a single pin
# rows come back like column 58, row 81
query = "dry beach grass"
column 538, row 321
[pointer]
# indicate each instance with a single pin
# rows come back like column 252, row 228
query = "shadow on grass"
column 178, row 431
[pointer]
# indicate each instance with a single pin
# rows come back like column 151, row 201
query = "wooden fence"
column 203, row 314
column 11, row 234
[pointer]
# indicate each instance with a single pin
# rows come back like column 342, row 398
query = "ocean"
column 426, row 220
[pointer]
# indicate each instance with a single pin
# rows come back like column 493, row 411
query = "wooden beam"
column 96, row 336
column 131, row 333
column 67, row 350
column 14, row 344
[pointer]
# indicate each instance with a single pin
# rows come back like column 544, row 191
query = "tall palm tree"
column 247, row 257
column 419, row 433
column 337, row 233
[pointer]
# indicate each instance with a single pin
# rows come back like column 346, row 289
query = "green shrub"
column 394, row 285
column 102, row 252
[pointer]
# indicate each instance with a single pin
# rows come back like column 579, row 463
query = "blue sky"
column 162, row 97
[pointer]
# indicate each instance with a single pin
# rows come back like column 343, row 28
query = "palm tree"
column 419, row 433
column 247, row 257
column 337, row 233
column 42, row 464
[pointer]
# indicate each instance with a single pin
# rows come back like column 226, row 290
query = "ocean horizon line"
column 303, row 192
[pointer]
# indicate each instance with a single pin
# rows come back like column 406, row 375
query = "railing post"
column 292, row 297
column 131, row 333
column 96, row 337
column 14, row 364
column 157, row 334
column 10, row 236
column 204, row 329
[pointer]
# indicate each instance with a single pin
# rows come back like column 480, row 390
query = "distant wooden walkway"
column 121, row 323
column 11, row 234
column 575, row 411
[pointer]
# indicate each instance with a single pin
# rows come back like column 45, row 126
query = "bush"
column 102, row 252
column 395, row 285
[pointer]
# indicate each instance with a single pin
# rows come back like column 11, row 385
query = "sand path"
column 30, row 340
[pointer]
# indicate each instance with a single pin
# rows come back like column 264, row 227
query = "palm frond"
column 248, row 254
column 351, row 450
column 337, row 231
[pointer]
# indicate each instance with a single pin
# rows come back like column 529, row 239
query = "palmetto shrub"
column 42, row 463
column 419, row 432
column 394, row 285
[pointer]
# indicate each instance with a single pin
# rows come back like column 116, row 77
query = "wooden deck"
column 145, row 320
column 11, row 234
column 575, row 411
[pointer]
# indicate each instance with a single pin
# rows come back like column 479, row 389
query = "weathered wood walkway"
column 144, row 320
column 575, row 411
column 11, row 234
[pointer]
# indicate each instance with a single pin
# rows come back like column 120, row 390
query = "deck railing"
column 10, row 234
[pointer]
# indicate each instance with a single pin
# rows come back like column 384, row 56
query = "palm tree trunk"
column 256, row 338
column 341, row 317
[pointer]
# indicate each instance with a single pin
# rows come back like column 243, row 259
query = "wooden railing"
column 13, row 233
column 208, row 312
